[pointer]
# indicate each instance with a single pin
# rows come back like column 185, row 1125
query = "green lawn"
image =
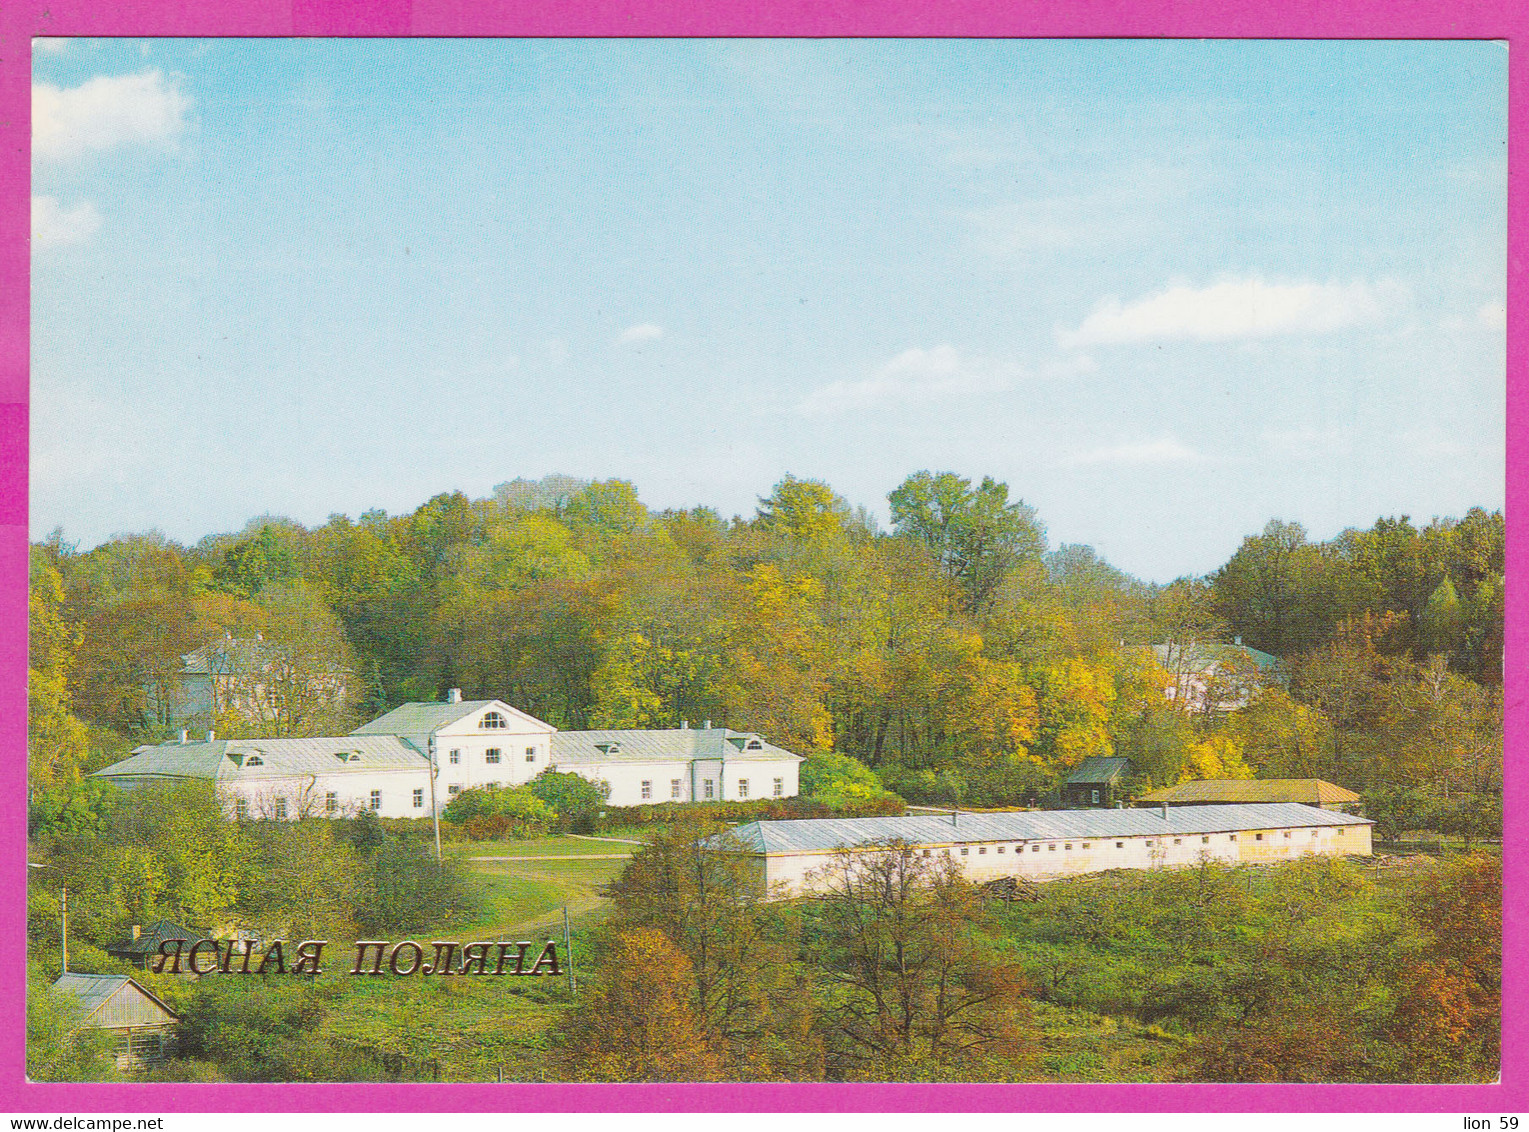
column 541, row 847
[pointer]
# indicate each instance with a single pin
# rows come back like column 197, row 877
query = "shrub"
column 576, row 800
column 839, row 780
column 513, row 812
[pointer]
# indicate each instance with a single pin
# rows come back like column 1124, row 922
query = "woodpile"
column 1010, row 889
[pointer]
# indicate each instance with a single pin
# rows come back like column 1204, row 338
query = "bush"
column 839, row 780
column 493, row 814
column 576, row 800
column 763, row 809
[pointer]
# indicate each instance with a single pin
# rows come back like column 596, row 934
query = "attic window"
column 609, row 748
column 491, row 721
column 753, row 745
column 254, row 760
column 348, row 756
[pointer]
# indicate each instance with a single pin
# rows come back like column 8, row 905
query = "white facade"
column 1183, row 841
column 385, row 765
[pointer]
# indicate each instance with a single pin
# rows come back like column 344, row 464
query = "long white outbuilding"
column 796, row 857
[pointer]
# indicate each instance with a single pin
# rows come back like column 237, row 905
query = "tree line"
column 957, row 657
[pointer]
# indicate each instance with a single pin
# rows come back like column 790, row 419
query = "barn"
column 1231, row 791
column 144, row 1027
column 796, row 857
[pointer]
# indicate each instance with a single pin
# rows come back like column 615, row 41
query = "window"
column 254, row 760
column 419, row 799
column 982, row 851
column 376, row 800
column 530, row 754
column 1085, row 844
column 753, row 745
column 674, row 788
column 1094, row 796
column 1313, row 833
column 1340, row 832
column 1068, row 845
column 1205, row 840
column 1287, row 835
column 1178, row 841
column 491, row 721
column 1120, row 845
column 456, row 756
column 1051, row 848
column 780, row 787
column 1258, row 837
column 281, row 809
column 743, row 788
column 647, row 790
column 1231, row 837
column 241, row 808
column 1149, row 843
column 453, row 790
column 331, row 802
column 710, row 789
column 927, row 852
column 964, row 851
column 1000, row 849
column 491, row 755
column 1035, row 848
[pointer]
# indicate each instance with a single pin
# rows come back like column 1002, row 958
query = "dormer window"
column 609, row 748
column 492, row 721
column 254, row 760
column 753, row 745
column 348, row 756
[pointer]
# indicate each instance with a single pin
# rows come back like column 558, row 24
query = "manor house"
column 385, row 765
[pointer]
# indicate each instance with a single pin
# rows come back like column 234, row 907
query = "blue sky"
column 1166, row 291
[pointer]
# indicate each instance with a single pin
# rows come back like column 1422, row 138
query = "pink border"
column 1306, row 19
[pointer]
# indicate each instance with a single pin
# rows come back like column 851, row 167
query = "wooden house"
column 144, row 1027
column 1097, row 781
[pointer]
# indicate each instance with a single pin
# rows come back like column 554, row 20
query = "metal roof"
column 148, row 942
column 820, row 834
column 229, row 759
column 427, row 717
column 1099, row 769
column 1199, row 656
column 114, row 1000
column 1311, row 791
column 680, row 744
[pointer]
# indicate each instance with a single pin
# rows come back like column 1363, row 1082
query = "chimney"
column 708, row 725
column 1237, row 640
column 1120, row 805
column 1165, row 811
column 137, row 930
column 184, row 737
column 212, row 736
column 454, row 696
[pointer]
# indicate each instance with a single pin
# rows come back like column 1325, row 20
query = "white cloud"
column 642, row 332
column 1493, row 315
column 914, row 375
column 53, row 224
column 1165, row 451
column 106, row 112
column 50, row 44
column 1235, row 308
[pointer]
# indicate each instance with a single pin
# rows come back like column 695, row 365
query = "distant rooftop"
column 819, row 834
column 1310, row 791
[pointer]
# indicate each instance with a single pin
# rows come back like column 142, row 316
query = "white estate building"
column 796, row 857
column 384, row 765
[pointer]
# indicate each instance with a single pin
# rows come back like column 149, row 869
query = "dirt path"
column 562, row 857
column 622, row 840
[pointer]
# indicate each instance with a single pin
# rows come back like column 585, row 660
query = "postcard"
column 834, row 564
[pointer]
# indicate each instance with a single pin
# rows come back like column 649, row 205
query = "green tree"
column 576, row 800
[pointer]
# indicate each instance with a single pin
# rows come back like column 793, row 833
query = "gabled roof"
column 1099, row 768
column 230, row 759
column 678, row 743
column 148, row 942
column 226, row 654
column 826, row 834
column 428, row 717
column 1310, row 791
column 95, row 991
column 1198, row 656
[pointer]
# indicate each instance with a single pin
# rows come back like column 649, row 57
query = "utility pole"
column 573, row 983
column 435, row 817
column 63, row 932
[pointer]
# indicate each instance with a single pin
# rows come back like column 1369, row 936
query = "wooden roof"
column 1308, row 791
column 115, row 1001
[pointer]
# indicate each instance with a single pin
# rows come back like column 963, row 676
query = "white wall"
column 305, row 795
column 472, row 770
column 1052, row 858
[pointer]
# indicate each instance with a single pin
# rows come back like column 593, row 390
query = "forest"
column 955, row 658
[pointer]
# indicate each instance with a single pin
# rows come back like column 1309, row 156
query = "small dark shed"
column 144, row 945
column 1095, row 782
